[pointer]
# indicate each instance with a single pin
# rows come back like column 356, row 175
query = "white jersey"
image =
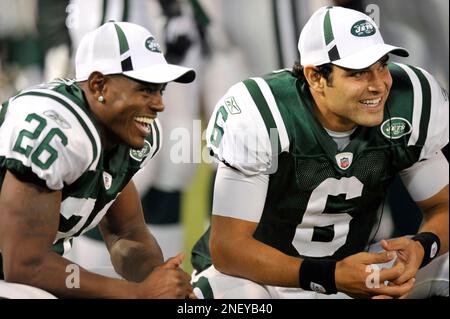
column 48, row 137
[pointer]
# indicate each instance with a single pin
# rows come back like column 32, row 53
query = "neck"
column 332, row 122
column 106, row 141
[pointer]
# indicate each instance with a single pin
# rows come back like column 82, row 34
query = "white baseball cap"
column 129, row 49
column 344, row 37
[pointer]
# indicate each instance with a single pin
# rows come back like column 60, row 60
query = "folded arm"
column 134, row 251
column 29, row 218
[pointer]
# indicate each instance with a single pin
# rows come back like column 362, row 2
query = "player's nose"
column 378, row 82
column 157, row 104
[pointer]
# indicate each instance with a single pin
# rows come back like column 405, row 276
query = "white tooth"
column 371, row 102
column 145, row 120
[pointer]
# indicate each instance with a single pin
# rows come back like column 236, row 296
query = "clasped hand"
column 363, row 275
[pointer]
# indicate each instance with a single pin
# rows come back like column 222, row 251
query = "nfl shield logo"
column 344, row 160
column 107, row 180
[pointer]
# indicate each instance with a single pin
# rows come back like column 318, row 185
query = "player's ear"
column 96, row 83
column 315, row 80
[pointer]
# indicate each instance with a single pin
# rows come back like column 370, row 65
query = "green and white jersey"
column 322, row 202
column 49, row 137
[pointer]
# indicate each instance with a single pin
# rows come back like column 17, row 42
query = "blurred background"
column 226, row 41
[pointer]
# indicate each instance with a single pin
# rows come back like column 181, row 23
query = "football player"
column 68, row 151
column 306, row 158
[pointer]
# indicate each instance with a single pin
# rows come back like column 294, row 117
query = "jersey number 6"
column 315, row 216
column 217, row 133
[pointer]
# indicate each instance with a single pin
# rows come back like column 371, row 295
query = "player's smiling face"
column 130, row 108
column 357, row 97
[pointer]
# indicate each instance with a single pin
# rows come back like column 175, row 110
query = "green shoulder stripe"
column 401, row 86
column 95, row 150
column 426, row 106
column 411, row 97
column 264, row 109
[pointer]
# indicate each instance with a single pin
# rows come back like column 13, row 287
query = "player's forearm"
column 256, row 261
column 134, row 251
column 436, row 221
column 64, row 279
column 135, row 260
column 435, row 213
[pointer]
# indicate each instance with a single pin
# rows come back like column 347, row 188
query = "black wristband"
column 318, row 275
column 431, row 244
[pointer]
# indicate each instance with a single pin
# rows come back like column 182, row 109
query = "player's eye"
column 152, row 89
column 357, row 74
column 149, row 90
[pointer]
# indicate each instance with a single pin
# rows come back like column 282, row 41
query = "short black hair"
column 324, row 70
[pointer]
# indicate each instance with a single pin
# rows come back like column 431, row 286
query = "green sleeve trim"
column 22, row 172
column 203, row 284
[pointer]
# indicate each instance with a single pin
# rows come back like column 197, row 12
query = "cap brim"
column 163, row 73
column 365, row 58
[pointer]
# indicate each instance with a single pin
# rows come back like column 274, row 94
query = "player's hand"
column 192, row 296
column 167, row 281
column 409, row 252
column 356, row 277
column 389, row 297
column 405, row 296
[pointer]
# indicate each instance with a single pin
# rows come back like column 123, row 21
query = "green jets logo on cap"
column 396, row 127
column 139, row 155
column 152, row 45
column 363, row 28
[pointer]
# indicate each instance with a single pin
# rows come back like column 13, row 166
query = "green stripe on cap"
column 327, row 28
column 126, row 63
column 123, row 43
column 333, row 53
